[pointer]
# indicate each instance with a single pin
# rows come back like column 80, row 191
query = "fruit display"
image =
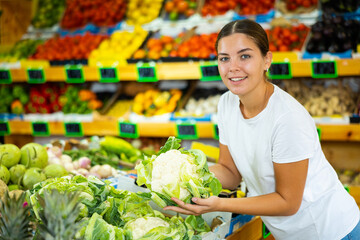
column 78, row 100
column 334, row 35
column 157, row 47
column 323, row 101
column 242, row 7
column 119, row 47
column 22, row 168
column 140, row 12
column 349, row 177
column 200, row 107
column 198, row 46
column 14, row 99
column 180, row 9
column 298, row 6
column 333, row 6
column 21, row 50
column 67, row 48
column 78, row 13
column 45, row 98
column 156, row 102
column 48, row 13
column 287, row 38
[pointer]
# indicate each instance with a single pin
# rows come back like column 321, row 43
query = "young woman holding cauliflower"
column 270, row 141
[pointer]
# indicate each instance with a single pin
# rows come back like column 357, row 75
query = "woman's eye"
column 223, row 59
column 245, row 56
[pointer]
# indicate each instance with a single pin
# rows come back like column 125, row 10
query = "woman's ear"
column 268, row 60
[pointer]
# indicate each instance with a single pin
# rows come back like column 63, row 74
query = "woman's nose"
column 234, row 65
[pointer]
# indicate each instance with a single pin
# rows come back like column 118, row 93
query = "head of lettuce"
column 179, row 173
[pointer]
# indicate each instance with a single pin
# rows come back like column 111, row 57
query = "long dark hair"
column 249, row 28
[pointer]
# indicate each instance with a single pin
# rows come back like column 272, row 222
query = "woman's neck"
column 253, row 103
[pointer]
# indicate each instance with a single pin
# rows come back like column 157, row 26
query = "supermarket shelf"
column 350, row 132
column 180, row 71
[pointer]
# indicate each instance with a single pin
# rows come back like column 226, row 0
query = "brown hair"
column 249, row 28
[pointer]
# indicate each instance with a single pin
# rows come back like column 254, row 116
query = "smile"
column 237, row 79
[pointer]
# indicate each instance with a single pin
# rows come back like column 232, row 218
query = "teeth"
column 237, row 79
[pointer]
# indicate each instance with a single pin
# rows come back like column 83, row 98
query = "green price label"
column 73, row 129
column 187, row 131
column 108, row 75
column 74, row 74
column 4, row 128
column 128, row 130
column 40, row 129
column 147, row 73
column 209, row 72
column 324, row 69
column 280, row 70
column 216, row 131
column 36, row 76
column 5, row 76
column 265, row 231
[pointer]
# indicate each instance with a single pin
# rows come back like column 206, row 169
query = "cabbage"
column 175, row 172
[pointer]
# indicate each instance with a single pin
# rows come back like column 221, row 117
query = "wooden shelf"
column 348, row 133
column 180, row 71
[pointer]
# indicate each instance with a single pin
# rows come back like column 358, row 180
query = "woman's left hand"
column 201, row 206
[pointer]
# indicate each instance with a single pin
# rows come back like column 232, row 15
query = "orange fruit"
column 182, row 6
column 139, row 54
column 169, row 6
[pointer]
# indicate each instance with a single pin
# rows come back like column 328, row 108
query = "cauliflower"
column 167, row 169
column 175, row 172
column 139, row 227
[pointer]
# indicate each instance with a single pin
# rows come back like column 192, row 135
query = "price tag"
column 40, row 129
column 187, row 131
column 5, row 76
column 36, row 75
column 280, row 70
column 324, row 69
column 4, row 128
column 74, row 74
column 73, row 129
column 265, row 231
column 147, row 73
column 209, row 72
column 108, row 75
column 216, row 131
column 129, row 130
column 319, row 132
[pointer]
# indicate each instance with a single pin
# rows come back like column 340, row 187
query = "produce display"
column 175, row 172
column 333, row 6
column 198, row 46
column 140, row 12
column 164, row 46
column 349, row 177
column 120, row 46
column 242, row 7
column 323, row 101
column 334, row 34
column 21, row 50
column 67, row 48
column 78, row 13
column 180, row 9
column 155, row 102
column 13, row 99
column 287, row 38
column 299, row 6
column 200, row 107
column 48, row 13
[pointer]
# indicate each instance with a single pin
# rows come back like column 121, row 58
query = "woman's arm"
column 225, row 170
column 290, row 183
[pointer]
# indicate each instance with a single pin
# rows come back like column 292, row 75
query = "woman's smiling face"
column 241, row 64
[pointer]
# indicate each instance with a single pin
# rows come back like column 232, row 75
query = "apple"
column 9, row 155
column 34, row 155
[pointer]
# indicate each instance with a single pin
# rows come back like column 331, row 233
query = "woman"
column 268, row 139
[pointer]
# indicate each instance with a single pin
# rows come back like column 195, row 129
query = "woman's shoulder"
column 228, row 98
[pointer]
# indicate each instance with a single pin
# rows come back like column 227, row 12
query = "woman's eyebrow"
column 240, row 51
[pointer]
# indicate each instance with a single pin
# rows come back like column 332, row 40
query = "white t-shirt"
column 285, row 132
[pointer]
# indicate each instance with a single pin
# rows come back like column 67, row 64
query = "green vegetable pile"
column 175, row 172
column 112, row 214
